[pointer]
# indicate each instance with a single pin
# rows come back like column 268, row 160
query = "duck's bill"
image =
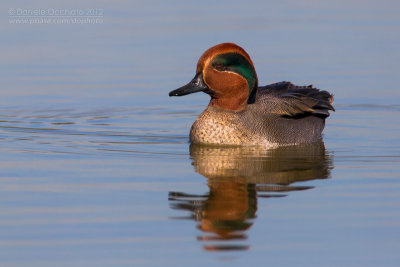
column 194, row 86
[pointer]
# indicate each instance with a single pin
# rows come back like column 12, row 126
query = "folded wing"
column 292, row 101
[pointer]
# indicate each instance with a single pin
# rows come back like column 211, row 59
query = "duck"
column 242, row 113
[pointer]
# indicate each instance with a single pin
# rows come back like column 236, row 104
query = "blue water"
column 96, row 168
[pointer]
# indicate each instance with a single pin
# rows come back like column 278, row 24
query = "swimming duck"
column 241, row 113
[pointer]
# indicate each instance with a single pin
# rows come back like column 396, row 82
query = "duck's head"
column 227, row 74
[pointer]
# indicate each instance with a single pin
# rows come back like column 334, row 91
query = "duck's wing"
column 292, row 101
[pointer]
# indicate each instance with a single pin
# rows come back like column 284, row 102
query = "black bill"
column 194, row 86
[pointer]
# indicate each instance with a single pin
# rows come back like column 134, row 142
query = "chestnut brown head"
column 227, row 74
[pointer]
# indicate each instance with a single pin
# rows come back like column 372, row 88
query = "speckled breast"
column 216, row 127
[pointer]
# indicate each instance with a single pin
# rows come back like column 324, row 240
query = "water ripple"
column 129, row 130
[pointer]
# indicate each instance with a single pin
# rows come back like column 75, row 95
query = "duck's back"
column 291, row 114
column 289, row 100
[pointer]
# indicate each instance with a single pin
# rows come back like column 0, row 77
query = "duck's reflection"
column 237, row 176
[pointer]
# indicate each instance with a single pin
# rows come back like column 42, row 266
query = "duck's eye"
column 220, row 67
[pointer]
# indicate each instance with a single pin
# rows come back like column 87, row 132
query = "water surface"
column 96, row 168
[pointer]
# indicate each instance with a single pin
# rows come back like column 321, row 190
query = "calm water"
column 95, row 164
